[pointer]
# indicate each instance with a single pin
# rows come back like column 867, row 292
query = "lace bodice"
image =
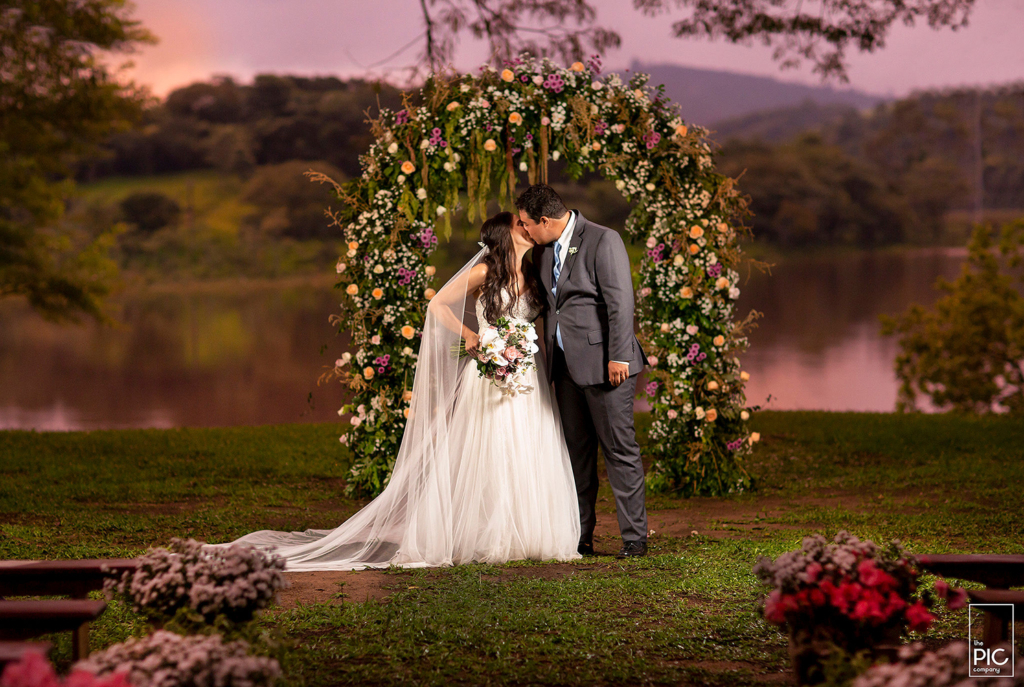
column 522, row 310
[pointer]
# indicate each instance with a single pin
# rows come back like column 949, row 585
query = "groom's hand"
column 617, row 373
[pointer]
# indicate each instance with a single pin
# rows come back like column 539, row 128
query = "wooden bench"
column 27, row 619
column 998, row 618
column 12, row 652
column 998, row 572
column 995, row 571
column 74, row 578
column 58, row 578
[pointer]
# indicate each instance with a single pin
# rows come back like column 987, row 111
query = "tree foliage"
column 820, row 32
column 967, row 351
column 58, row 102
column 807, row 193
column 546, row 28
column 236, row 127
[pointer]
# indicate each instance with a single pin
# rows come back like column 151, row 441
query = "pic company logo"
column 990, row 658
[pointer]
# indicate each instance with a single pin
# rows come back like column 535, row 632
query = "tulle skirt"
column 513, row 492
column 498, row 488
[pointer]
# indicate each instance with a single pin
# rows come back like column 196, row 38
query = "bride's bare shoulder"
column 479, row 272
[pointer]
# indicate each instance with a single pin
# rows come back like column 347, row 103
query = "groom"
column 593, row 356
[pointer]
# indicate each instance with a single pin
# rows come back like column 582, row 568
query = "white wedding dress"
column 480, row 476
column 514, row 495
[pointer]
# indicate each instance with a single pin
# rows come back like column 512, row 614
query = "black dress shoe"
column 632, row 549
column 585, row 548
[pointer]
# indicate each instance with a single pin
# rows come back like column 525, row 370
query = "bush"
column 966, row 351
column 150, row 211
column 289, row 204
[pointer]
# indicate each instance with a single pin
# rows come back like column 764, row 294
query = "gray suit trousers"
column 602, row 414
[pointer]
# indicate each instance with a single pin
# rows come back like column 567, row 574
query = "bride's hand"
column 472, row 343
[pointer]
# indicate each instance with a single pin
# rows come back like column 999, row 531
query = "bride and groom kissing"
column 484, row 476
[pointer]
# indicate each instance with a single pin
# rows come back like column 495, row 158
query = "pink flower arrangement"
column 33, row 670
column 233, row 581
column 945, row 667
column 165, row 659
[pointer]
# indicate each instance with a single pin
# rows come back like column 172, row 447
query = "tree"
column 58, row 101
column 513, row 26
column 967, row 351
column 820, row 31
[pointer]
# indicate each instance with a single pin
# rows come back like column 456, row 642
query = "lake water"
column 245, row 355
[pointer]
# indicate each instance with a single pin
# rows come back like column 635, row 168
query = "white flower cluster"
column 946, row 667
column 234, row 581
column 165, row 659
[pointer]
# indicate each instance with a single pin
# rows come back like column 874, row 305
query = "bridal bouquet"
column 506, row 354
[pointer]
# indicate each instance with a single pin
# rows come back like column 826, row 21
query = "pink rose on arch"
column 501, row 371
column 512, row 353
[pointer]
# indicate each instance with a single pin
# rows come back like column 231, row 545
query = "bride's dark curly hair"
column 496, row 234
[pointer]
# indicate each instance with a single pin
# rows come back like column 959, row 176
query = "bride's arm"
column 455, row 294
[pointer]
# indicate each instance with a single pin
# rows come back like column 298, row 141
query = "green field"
column 684, row 615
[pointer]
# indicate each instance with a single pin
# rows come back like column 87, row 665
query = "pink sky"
column 199, row 38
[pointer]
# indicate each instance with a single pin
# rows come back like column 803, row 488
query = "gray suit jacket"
column 594, row 305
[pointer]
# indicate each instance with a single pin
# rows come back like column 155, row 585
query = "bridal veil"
column 411, row 522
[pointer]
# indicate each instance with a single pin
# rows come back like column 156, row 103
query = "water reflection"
column 818, row 345
column 244, row 355
column 231, row 356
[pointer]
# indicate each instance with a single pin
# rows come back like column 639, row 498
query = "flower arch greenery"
column 476, row 134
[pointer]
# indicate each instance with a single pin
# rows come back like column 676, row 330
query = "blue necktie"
column 554, row 287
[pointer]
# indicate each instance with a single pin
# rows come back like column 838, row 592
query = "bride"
column 480, row 476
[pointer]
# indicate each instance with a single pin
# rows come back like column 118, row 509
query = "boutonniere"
column 573, row 249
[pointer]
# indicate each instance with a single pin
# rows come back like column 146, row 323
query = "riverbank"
column 685, row 614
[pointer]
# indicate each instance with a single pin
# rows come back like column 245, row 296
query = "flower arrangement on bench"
column 202, row 582
column 848, row 594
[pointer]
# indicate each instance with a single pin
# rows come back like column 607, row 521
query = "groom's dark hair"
column 540, row 200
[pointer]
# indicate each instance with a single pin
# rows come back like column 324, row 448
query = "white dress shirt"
column 563, row 245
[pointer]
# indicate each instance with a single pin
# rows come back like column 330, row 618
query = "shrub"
column 966, row 352
column 150, row 211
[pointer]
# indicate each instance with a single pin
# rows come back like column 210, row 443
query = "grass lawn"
column 684, row 615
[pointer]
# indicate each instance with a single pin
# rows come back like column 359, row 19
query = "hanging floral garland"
column 476, row 135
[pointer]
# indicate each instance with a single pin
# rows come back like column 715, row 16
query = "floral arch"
column 475, row 135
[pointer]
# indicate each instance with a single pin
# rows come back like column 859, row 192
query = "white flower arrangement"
column 166, row 659
column 233, row 581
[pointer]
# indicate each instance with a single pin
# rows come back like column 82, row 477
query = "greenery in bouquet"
column 192, row 583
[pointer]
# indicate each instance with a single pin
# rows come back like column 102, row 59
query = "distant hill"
column 707, row 96
column 783, row 124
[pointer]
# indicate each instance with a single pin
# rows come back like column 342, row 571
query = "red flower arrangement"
column 862, row 593
column 848, row 594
